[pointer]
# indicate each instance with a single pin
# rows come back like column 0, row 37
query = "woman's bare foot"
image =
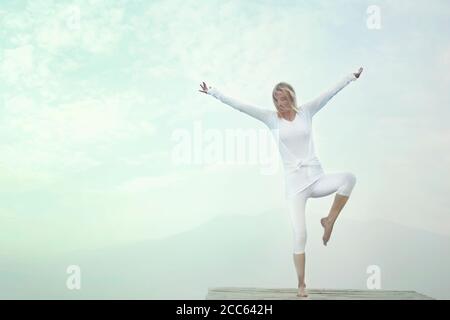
column 327, row 229
column 302, row 291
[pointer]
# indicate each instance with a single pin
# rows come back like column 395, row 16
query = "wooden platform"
column 232, row 293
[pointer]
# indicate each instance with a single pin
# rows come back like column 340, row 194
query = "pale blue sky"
column 92, row 91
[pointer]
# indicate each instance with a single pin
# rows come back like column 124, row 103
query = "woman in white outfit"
column 291, row 126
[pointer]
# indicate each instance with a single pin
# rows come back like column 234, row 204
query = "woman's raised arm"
column 264, row 115
column 318, row 103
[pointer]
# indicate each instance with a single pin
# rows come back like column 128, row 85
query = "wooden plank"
column 231, row 293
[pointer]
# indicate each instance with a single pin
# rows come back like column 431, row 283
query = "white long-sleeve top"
column 294, row 138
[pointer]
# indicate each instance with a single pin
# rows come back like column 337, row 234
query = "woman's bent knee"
column 351, row 178
column 347, row 187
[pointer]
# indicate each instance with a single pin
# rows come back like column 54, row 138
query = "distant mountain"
column 240, row 250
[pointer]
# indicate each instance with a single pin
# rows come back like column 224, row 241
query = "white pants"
column 342, row 183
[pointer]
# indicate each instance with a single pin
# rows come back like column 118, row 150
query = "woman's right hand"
column 204, row 87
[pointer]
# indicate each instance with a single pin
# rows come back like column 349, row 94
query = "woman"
column 304, row 176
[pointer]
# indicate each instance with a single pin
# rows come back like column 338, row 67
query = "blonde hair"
column 287, row 88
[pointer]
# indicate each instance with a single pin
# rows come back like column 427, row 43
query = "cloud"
column 86, row 121
column 71, row 137
column 146, row 183
column 146, row 158
column 17, row 63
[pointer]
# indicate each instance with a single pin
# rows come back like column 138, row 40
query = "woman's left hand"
column 357, row 74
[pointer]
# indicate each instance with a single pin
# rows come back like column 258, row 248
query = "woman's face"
column 283, row 101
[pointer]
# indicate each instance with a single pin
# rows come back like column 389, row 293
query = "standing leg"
column 297, row 205
column 342, row 184
column 299, row 262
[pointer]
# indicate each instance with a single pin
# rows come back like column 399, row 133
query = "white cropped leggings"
column 342, row 183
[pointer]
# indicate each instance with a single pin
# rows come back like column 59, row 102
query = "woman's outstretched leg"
column 342, row 184
column 297, row 205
